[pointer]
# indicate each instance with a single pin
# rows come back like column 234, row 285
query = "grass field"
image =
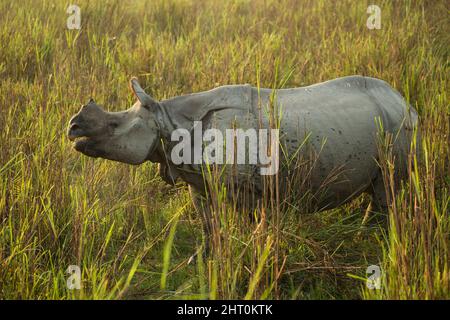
column 132, row 235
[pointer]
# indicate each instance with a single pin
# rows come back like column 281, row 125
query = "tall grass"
column 135, row 237
column 416, row 251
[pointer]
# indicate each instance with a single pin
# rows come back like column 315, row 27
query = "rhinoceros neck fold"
column 156, row 152
column 184, row 110
column 164, row 121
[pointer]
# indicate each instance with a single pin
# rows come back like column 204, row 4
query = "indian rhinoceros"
column 331, row 127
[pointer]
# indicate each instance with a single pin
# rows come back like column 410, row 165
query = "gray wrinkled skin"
column 331, row 125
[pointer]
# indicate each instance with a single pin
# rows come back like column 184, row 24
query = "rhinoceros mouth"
column 75, row 132
column 82, row 142
column 79, row 142
column 87, row 146
column 78, row 136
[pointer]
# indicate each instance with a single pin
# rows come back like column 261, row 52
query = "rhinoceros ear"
column 142, row 96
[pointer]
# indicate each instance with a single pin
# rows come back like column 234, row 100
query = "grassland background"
column 131, row 234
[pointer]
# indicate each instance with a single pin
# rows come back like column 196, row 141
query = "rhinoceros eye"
column 113, row 125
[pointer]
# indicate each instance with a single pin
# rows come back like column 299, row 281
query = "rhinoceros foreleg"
column 202, row 208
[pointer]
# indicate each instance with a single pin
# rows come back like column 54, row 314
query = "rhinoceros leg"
column 202, row 208
column 378, row 192
column 243, row 199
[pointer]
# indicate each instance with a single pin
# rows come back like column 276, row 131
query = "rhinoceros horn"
column 142, row 96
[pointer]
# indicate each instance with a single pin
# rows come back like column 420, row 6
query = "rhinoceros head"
column 127, row 136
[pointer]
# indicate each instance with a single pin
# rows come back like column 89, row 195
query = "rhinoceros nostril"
column 74, row 127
